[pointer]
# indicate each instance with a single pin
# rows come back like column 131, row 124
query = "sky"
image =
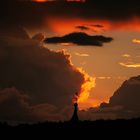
column 51, row 49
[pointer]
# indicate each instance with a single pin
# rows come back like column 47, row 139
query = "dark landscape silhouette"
column 99, row 125
column 50, row 49
column 75, row 115
column 76, row 125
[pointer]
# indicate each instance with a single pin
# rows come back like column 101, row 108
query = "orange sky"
column 64, row 26
column 108, row 65
column 105, row 63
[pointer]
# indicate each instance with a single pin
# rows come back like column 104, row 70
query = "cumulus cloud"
column 128, row 95
column 44, row 81
column 123, row 104
column 39, row 37
column 14, row 105
column 80, row 38
column 13, row 32
column 38, row 84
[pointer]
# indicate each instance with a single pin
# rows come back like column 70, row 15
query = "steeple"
column 75, row 113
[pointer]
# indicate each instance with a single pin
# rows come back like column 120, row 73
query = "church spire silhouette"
column 75, row 113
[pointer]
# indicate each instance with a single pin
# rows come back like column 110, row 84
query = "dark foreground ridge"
column 93, row 125
column 81, row 129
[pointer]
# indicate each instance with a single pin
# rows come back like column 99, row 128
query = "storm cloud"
column 36, row 83
column 111, row 10
column 80, row 38
column 128, row 95
column 27, row 13
column 123, row 104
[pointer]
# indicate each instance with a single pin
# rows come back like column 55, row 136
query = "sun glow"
column 137, row 41
column 137, row 65
column 69, row 25
column 89, row 83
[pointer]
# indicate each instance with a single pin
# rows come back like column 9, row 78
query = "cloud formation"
column 126, row 55
column 35, row 81
column 14, row 105
column 136, row 41
column 128, row 95
column 31, row 14
column 37, row 84
column 130, row 65
column 39, row 37
column 81, row 54
column 80, row 38
column 123, row 104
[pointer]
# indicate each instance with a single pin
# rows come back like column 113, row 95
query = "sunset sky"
column 99, row 40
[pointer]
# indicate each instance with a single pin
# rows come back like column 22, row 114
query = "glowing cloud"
column 70, row 24
column 126, row 55
column 81, row 55
column 83, row 95
column 137, row 41
column 86, row 86
column 104, row 78
column 130, row 65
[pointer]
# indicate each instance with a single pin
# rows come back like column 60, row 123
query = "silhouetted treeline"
column 99, row 124
column 100, row 129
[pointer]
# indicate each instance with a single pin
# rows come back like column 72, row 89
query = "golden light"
column 126, row 55
column 75, row 98
column 89, row 83
column 81, row 54
column 137, row 41
column 66, row 44
column 62, row 26
column 130, row 65
column 69, row 25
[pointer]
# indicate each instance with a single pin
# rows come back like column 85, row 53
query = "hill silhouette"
column 122, row 124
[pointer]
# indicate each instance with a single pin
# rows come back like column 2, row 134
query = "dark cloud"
column 128, row 95
column 13, row 32
column 15, row 107
column 31, row 14
column 82, row 28
column 44, row 81
column 123, row 104
column 37, row 84
column 39, row 37
column 80, row 38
